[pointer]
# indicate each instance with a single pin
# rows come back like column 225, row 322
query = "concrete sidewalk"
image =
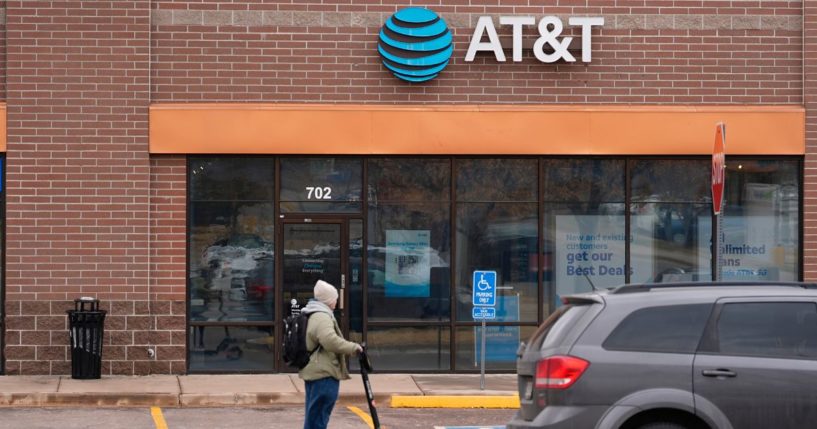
column 234, row 390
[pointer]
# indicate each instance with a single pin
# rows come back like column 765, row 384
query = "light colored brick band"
column 458, row 20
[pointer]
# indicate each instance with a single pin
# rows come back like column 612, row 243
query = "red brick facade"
column 90, row 212
column 648, row 52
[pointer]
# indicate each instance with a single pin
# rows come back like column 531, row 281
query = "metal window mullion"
column 452, row 290
column 540, row 244
column 627, row 221
column 364, row 252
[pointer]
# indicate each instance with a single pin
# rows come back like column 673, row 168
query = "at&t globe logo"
column 415, row 44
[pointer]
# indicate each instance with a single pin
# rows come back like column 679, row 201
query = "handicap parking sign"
column 484, row 288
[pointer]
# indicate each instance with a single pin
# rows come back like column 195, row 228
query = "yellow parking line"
column 158, row 418
column 505, row 401
column 360, row 413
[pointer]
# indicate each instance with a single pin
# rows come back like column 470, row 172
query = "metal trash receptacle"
column 85, row 328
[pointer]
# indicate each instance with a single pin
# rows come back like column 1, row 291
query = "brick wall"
column 77, row 89
column 3, row 49
column 651, row 51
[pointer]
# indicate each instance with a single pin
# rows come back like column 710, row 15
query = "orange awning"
column 228, row 128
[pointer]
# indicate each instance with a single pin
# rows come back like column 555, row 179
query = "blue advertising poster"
column 501, row 342
column 408, row 269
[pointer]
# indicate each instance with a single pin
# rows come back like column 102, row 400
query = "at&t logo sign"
column 415, row 44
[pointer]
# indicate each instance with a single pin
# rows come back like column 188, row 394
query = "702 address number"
column 318, row 193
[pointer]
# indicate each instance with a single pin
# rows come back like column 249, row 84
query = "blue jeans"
column 320, row 399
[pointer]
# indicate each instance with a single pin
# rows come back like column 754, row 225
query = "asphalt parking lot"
column 236, row 418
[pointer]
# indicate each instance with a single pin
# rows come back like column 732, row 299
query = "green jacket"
column 330, row 359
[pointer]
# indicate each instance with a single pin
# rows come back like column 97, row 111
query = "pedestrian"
column 327, row 364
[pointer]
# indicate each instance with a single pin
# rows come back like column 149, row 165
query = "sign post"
column 718, row 184
column 484, row 286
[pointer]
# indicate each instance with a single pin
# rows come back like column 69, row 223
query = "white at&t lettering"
column 550, row 28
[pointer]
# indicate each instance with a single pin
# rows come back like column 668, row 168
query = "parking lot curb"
column 240, row 399
column 450, row 401
column 89, row 400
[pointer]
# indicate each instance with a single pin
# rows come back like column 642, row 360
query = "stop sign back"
column 718, row 168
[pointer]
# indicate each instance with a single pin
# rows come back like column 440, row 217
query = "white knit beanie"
column 325, row 292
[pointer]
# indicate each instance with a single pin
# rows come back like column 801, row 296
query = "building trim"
column 248, row 128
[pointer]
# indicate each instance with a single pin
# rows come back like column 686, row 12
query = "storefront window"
column 321, row 185
column 409, row 179
column 231, row 179
column 496, row 180
column 409, row 240
column 426, row 216
column 671, row 242
column 670, row 180
column 584, row 180
column 761, row 220
column 669, row 200
column 501, row 238
column 410, row 348
column 231, row 261
column 584, row 227
column 498, row 235
column 408, row 261
column 584, row 247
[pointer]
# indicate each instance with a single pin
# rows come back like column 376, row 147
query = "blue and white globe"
column 415, row 44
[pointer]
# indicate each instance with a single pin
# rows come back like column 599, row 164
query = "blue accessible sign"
column 479, row 313
column 484, row 288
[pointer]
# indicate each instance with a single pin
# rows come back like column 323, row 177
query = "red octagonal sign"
column 718, row 168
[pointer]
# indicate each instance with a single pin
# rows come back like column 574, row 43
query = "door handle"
column 720, row 372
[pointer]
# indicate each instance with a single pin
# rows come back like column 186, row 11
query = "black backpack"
column 295, row 353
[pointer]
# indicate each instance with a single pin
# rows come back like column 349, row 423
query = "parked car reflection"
column 236, row 281
column 239, row 252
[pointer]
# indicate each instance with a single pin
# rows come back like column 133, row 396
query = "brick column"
column 810, row 179
column 78, row 181
column 168, row 267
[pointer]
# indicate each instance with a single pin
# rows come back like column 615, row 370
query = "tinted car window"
column 770, row 329
column 667, row 329
column 552, row 330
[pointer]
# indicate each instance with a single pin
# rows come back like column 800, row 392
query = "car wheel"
column 662, row 425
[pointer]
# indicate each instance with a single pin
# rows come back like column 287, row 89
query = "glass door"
column 313, row 250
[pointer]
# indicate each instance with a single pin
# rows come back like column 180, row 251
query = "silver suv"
column 674, row 356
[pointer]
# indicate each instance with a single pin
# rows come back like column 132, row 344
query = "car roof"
column 696, row 291
column 749, row 285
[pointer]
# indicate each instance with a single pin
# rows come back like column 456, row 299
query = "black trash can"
column 85, row 325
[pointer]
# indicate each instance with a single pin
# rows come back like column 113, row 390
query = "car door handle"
column 718, row 373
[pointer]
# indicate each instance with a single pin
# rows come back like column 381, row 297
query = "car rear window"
column 554, row 328
column 665, row 329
